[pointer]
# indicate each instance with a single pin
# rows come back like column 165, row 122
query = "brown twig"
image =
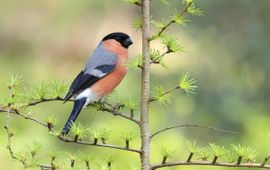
column 9, row 135
column 115, row 111
column 215, row 160
column 170, row 23
column 204, row 163
column 7, row 124
column 87, row 164
column 157, row 61
column 145, row 87
column 239, row 160
column 16, row 112
column 190, row 156
column 165, row 93
column 192, row 125
column 43, row 100
column 265, row 160
column 164, row 160
column 67, row 139
column 110, row 108
column 127, row 143
column 64, row 139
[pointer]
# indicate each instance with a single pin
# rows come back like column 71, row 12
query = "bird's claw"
column 117, row 107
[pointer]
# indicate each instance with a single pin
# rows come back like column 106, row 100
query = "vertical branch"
column 145, row 85
column 9, row 133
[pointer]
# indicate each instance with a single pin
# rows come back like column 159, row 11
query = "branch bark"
column 204, row 163
column 145, row 87
column 165, row 93
column 195, row 125
column 159, row 33
column 97, row 144
column 110, row 108
column 64, row 139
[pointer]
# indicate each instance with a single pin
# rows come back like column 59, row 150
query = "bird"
column 103, row 72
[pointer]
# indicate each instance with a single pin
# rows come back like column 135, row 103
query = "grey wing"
column 101, row 62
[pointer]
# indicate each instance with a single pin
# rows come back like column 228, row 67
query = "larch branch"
column 165, row 93
column 170, row 23
column 145, row 87
column 110, row 108
column 204, row 163
column 44, row 124
column 191, row 125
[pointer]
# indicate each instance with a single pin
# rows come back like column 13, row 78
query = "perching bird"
column 103, row 72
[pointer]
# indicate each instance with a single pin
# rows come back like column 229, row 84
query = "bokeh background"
column 227, row 52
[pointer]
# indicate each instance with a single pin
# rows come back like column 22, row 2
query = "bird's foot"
column 116, row 108
column 102, row 100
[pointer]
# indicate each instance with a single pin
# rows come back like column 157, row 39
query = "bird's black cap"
column 122, row 38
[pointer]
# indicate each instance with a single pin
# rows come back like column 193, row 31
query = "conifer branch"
column 165, row 93
column 193, row 125
column 62, row 138
column 43, row 100
column 157, row 61
column 145, row 87
column 16, row 112
column 265, row 160
column 69, row 140
column 114, row 109
column 205, row 163
column 172, row 21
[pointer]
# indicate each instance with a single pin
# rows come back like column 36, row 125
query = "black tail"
column 78, row 105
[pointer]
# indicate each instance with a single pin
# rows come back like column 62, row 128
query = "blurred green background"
column 227, row 52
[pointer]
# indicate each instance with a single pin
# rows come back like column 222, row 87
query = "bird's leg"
column 102, row 100
column 116, row 108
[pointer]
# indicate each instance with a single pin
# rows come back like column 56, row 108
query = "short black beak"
column 128, row 42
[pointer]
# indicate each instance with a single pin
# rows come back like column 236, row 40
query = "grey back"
column 100, row 57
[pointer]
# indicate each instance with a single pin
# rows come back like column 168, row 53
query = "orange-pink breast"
column 107, row 84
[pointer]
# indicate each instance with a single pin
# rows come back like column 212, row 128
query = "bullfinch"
column 104, row 70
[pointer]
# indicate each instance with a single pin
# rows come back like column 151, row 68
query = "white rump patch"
column 89, row 94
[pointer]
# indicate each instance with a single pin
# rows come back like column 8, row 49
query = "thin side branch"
column 43, row 100
column 170, row 23
column 110, row 108
column 204, row 163
column 115, row 111
column 157, row 61
column 16, row 112
column 165, row 93
column 9, row 135
column 96, row 144
column 265, row 160
column 194, row 125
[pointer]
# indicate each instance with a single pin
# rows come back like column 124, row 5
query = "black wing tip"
column 78, row 106
column 64, row 132
column 67, row 97
column 65, row 100
column 66, row 128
